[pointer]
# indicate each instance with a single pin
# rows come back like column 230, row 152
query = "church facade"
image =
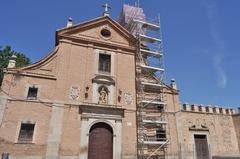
column 80, row 102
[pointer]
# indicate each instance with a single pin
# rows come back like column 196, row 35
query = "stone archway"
column 100, row 144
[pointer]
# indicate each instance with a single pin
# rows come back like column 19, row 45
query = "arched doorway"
column 100, row 141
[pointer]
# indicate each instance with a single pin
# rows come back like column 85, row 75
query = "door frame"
column 108, row 129
column 87, row 123
column 208, row 143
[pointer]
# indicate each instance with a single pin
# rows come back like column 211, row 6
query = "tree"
column 5, row 55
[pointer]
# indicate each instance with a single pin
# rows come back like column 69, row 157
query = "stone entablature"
column 199, row 108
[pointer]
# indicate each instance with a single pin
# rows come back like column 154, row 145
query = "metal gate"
column 100, row 142
column 201, row 146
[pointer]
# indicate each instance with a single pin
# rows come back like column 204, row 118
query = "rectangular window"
column 26, row 133
column 32, row 93
column 104, row 65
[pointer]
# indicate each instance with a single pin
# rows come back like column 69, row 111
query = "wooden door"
column 201, row 146
column 100, row 142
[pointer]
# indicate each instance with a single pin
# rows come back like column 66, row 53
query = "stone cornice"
column 30, row 74
column 96, row 44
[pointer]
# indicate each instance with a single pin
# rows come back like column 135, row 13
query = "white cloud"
column 219, row 44
column 222, row 78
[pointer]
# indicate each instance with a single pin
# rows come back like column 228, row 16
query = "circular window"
column 105, row 33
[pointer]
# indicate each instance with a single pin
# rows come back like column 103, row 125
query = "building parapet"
column 208, row 109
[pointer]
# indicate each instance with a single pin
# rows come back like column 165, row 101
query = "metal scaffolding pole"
column 151, row 104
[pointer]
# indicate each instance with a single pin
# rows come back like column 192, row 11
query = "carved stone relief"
column 74, row 92
column 103, row 96
column 128, row 98
column 197, row 124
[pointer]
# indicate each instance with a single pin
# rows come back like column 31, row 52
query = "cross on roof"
column 106, row 9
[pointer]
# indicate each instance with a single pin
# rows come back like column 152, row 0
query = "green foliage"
column 5, row 55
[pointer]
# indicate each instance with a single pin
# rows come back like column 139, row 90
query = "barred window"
column 104, row 65
column 26, row 133
column 32, row 93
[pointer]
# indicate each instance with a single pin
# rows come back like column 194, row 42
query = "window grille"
column 26, row 133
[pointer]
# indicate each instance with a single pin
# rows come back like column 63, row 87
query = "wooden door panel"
column 100, row 142
column 201, row 147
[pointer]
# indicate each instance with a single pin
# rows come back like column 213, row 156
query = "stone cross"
column 106, row 9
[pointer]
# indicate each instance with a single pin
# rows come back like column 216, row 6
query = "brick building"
column 93, row 97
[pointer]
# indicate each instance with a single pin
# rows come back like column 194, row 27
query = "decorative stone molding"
column 197, row 125
column 103, row 81
column 87, row 110
column 207, row 109
column 92, row 114
column 74, row 92
column 128, row 98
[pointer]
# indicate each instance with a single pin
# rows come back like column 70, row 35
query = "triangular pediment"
column 92, row 31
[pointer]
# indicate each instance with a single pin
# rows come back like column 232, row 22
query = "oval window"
column 105, row 33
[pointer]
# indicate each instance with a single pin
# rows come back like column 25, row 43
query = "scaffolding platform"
column 147, row 25
column 151, row 68
column 151, row 53
column 149, row 121
column 149, row 39
column 151, row 84
column 155, row 102
column 154, row 142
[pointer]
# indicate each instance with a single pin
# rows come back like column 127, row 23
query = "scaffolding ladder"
column 152, row 138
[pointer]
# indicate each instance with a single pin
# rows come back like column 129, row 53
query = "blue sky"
column 201, row 39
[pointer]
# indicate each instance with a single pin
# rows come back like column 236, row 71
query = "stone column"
column 118, row 140
column 84, row 138
column 55, row 131
column 95, row 93
column 111, row 94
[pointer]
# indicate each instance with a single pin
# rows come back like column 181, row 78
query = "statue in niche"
column 103, row 95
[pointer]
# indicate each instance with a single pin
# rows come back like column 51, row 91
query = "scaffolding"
column 151, row 120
